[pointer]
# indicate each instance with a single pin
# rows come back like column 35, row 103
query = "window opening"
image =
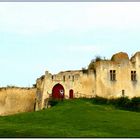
column 113, row 75
column 133, row 75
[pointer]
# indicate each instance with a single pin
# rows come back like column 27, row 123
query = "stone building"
column 119, row 76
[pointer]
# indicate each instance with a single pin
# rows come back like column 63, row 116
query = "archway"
column 58, row 92
column 71, row 94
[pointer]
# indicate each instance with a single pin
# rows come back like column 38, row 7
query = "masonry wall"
column 112, row 89
column 96, row 81
column 83, row 85
column 16, row 100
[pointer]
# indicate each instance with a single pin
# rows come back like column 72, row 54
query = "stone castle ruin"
column 105, row 78
column 117, row 77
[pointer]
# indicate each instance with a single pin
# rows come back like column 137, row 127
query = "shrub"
column 84, row 70
column 92, row 63
column 53, row 102
column 98, row 58
column 122, row 101
column 100, row 100
column 135, row 103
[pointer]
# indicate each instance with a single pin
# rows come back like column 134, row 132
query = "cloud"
column 30, row 18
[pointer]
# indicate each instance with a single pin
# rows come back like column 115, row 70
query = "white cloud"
column 30, row 18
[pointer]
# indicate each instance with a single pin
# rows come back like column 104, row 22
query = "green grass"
column 73, row 118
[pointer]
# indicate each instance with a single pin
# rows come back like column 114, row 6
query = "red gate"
column 58, row 92
column 71, row 94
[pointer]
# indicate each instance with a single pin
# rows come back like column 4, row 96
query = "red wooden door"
column 58, row 91
column 71, row 94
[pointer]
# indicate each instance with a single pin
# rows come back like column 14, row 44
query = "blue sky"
column 35, row 37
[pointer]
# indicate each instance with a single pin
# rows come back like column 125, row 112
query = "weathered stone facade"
column 16, row 100
column 113, row 78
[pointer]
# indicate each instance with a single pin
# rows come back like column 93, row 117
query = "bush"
column 85, row 71
column 53, row 102
column 122, row 101
column 100, row 100
column 135, row 103
column 92, row 63
column 98, row 58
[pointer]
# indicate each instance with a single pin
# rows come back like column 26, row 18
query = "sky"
column 58, row 36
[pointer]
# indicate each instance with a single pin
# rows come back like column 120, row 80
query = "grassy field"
column 73, row 118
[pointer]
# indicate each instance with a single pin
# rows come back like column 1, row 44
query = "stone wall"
column 15, row 100
column 95, row 81
column 82, row 84
column 123, row 83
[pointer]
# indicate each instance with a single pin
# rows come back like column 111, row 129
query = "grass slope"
column 73, row 118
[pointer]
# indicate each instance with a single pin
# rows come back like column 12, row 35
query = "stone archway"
column 58, row 92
